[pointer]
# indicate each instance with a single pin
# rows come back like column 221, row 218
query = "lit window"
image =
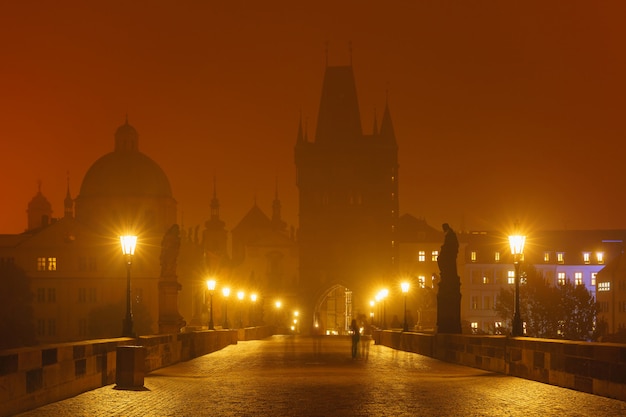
column 486, row 279
column 600, row 257
column 604, row 286
column 546, row 256
column 421, row 281
column 578, row 278
column 497, row 257
column 434, row 255
column 41, row 264
column 474, row 326
column 560, row 257
column 52, row 264
column 560, row 278
column 511, row 277
column 473, row 256
column 586, row 258
column 593, row 278
column 421, row 256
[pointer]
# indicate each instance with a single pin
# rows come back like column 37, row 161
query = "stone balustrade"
column 595, row 368
column 34, row 376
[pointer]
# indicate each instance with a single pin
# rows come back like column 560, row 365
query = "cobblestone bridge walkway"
column 297, row 376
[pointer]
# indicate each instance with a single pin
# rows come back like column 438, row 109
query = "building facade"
column 559, row 256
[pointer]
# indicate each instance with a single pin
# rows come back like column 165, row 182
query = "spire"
column 277, row 222
column 339, row 119
column 68, row 203
column 386, row 126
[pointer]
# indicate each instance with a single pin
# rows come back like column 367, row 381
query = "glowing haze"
column 503, row 111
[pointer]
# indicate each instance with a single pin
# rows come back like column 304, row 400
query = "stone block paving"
column 301, row 376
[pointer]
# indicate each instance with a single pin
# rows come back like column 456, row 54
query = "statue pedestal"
column 449, row 305
column 170, row 320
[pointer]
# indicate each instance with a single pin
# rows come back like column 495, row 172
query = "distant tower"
column 68, row 203
column 215, row 236
column 348, row 194
column 39, row 210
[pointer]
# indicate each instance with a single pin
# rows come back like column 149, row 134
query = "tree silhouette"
column 565, row 311
column 17, row 327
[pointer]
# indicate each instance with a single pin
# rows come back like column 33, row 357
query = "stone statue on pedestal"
column 449, row 294
column 170, row 320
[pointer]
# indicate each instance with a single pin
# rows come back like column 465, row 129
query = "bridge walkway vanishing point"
column 302, row 376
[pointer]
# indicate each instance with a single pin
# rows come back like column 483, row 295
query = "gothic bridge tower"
column 348, row 205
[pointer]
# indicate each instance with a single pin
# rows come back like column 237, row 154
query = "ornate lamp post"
column 382, row 294
column 211, row 286
column 253, row 298
column 240, row 296
column 517, row 250
column 226, row 293
column 405, row 290
column 129, row 244
column 372, row 304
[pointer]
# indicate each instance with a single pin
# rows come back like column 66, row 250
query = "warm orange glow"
column 211, row 284
column 240, row 295
column 226, row 291
column 46, row 79
column 405, row 287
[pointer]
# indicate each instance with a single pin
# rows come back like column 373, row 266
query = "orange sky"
column 502, row 110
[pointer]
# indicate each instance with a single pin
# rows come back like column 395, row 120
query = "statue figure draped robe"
column 449, row 294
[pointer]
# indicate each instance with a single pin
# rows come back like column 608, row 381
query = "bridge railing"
column 595, row 368
column 35, row 376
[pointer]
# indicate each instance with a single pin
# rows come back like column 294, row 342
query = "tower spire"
column 386, row 126
column 277, row 221
column 68, row 203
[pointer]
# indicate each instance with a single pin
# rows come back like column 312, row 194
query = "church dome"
column 125, row 171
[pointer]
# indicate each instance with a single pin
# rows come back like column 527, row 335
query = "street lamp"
column 253, row 298
column 129, row 244
column 372, row 304
column 211, row 286
column 240, row 295
column 226, row 293
column 405, row 290
column 382, row 294
column 517, row 249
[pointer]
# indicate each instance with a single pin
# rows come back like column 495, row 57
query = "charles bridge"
column 253, row 372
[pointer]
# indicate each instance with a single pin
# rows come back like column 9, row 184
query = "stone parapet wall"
column 595, row 368
column 34, row 376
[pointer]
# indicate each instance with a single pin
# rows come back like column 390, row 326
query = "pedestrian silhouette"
column 356, row 336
